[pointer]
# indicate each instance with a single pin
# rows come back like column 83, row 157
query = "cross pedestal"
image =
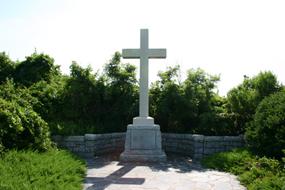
column 143, row 137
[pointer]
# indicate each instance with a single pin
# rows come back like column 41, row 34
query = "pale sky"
column 230, row 38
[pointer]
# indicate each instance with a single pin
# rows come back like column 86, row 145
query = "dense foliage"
column 255, row 172
column 266, row 132
column 35, row 68
column 100, row 103
column 6, row 67
column 26, row 170
column 190, row 106
column 20, row 126
column 244, row 99
column 35, row 96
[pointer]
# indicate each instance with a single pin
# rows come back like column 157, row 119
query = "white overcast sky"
column 230, row 38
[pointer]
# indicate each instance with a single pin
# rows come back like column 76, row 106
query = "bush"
column 48, row 95
column 20, row 126
column 266, row 133
column 6, row 67
column 244, row 99
column 27, row 170
column 254, row 172
column 35, row 68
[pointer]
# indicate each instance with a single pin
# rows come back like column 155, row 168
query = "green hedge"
column 256, row 173
column 265, row 134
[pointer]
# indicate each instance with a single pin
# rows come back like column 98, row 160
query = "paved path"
column 176, row 174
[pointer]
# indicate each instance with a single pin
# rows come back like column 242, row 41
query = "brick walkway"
column 176, row 174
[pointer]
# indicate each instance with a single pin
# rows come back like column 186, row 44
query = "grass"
column 256, row 173
column 29, row 170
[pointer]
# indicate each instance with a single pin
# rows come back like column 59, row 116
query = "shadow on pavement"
column 181, row 164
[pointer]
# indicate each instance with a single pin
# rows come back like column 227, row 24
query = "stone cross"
column 144, row 53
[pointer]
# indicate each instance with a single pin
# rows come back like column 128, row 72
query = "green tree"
column 167, row 101
column 243, row 100
column 49, row 96
column 188, row 106
column 96, row 103
column 71, row 101
column 35, row 68
column 265, row 134
column 78, row 96
column 203, row 102
column 6, row 67
column 121, row 97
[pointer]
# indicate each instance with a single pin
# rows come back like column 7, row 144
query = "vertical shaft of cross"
column 143, row 53
column 143, row 112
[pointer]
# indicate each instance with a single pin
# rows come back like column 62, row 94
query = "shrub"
column 244, row 99
column 257, row 173
column 35, row 68
column 29, row 170
column 22, row 127
column 266, row 133
column 48, row 95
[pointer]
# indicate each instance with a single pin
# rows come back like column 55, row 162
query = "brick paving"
column 178, row 173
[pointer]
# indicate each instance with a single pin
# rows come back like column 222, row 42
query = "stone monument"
column 143, row 137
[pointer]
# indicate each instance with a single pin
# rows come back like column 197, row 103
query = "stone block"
column 209, row 151
column 168, row 135
column 198, row 138
column 91, row 137
column 180, row 136
column 119, row 135
column 68, row 144
column 207, row 146
column 73, row 138
column 198, row 150
column 188, row 136
column 197, row 156
column 78, row 149
column 107, row 136
column 214, row 138
column 198, row 145
column 89, row 149
column 90, row 143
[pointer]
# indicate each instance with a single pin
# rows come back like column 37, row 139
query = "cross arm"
column 157, row 53
column 131, row 53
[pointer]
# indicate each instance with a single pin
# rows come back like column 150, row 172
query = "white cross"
column 144, row 53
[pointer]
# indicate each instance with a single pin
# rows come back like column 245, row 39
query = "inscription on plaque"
column 143, row 139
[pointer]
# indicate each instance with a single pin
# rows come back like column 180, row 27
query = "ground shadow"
column 100, row 183
column 175, row 162
column 180, row 163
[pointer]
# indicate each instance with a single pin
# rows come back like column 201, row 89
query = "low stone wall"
column 198, row 146
column 195, row 146
column 92, row 144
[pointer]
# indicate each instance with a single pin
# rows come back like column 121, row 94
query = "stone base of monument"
column 143, row 143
